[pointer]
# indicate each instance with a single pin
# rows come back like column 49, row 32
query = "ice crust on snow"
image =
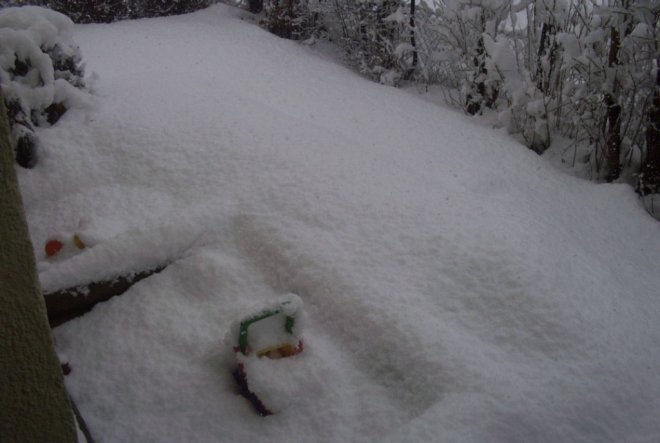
column 457, row 288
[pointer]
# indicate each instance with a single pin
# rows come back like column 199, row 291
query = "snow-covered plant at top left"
column 41, row 71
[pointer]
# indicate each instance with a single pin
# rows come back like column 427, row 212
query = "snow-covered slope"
column 456, row 287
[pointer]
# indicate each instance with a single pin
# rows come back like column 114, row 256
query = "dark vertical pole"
column 613, row 114
column 413, row 43
column 34, row 406
column 650, row 177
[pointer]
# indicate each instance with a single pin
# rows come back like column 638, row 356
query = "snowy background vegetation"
column 547, row 69
column 578, row 78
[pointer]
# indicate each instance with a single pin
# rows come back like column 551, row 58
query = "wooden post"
column 34, row 406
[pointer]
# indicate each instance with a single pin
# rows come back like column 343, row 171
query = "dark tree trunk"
column 547, row 46
column 613, row 115
column 650, row 176
column 413, row 43
column 476, row 98
column 482, row 93
column 543, row 44
column 256, row 6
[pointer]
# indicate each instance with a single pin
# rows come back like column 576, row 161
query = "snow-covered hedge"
column 106, row 11
column 40, row 72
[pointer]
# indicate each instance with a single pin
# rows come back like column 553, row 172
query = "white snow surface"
column 457, row 288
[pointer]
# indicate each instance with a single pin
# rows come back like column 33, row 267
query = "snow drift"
column 456, row 287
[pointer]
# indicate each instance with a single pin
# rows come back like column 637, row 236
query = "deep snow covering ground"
column 457, row 288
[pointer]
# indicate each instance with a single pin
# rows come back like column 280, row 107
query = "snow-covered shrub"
column 370, row 33
column 452, row 50
column 586, row 70
column 289, row 19
column 8, row 3
column 106, row 11
column 159, row 8
column 370, row 44
column 40, row 72
column 608, row 78
column 528, row 58
column 95, row 11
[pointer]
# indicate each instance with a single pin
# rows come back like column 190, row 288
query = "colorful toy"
column 53, row 247
column 78, row 242
column 270, row 334
column 58, row 244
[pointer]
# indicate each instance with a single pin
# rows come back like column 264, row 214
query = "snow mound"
column 457, row 287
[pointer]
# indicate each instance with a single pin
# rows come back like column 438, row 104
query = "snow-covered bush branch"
column 374, row 34
column 106, row 11
column 41, row 73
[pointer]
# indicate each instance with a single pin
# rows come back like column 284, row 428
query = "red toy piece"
column 53, row 247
